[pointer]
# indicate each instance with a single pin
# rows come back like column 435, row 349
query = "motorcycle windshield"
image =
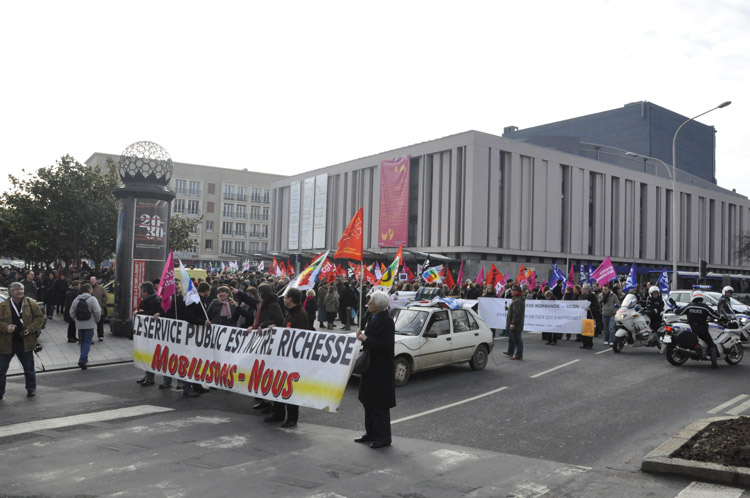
column 630, row 301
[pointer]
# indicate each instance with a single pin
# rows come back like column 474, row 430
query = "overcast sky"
column 287, row 87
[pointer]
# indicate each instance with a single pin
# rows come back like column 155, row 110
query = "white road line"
column 553, row 369
column 728, row 403
column 739, row 408
column 404, row 419
column 608, row 350
column 84, row 418
column 703, row 489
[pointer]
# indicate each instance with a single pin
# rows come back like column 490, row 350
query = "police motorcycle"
column 740, row 319
column 633, row 326
column 680, row 343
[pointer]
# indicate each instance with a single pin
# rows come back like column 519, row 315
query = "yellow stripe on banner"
column 143, row 356
column 322, row 391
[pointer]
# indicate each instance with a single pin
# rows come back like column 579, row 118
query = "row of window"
column 229, row 228
column 231, row 192
column 231, row 247
column 183, row 206
column 240, row 211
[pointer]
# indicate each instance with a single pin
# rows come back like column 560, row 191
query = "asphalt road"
column 594, row 417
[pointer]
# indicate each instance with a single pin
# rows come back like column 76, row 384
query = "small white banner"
column 300, row 367
column 562, row 317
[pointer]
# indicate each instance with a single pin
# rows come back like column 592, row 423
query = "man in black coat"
column 377, row 387
column 150, row 305
column 347, row 299
column 297, row 319
column 70, row 296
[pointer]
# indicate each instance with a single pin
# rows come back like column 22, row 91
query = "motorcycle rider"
column 653, row 309
column 698, row 313
column 724, row 306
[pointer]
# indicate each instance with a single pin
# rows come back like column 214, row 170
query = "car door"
column 465, row 336
column 436, row 350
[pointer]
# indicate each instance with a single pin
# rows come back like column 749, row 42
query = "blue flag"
column 557, row 274
column 663, row 282
column 631, row 283
column 583, row 274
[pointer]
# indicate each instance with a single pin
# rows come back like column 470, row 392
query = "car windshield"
column 630, row 301
column 410, row 321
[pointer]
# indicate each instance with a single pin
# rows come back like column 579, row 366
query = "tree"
column 64, row 212
column 180, row 229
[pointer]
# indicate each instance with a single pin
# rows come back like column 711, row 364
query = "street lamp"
column 675, row 229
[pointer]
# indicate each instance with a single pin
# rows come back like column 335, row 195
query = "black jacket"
column 297, row 319
column 70, row 296
column 150, row 306
column 270, row 313
column 698, row 315
column 377, row 387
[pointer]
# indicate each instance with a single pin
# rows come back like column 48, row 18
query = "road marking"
column 702, row 489
column 553, row 369
column 739, row 409
column 728, row 403
column 84, row 418
column 404, row 419
column 609, row 350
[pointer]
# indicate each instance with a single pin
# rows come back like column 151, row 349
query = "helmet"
column 727, row 289
column 697, row 295
column 653, row 289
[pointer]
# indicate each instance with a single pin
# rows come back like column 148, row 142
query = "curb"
column 660, row 460
column 60, row 368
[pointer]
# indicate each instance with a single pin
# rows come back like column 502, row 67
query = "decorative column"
column 145, row 169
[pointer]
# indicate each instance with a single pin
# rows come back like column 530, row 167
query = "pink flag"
column 461, row 274
column 544, row 283
column 480, row 277
column 506, row 277
column 604, row 272
column 532, row 280
column 571, row 277
column 166, row 284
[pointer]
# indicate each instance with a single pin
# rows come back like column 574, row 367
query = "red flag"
column 461, row 274
column 274, row 267
column 449, row 278
column 409, row 272
column 493, row 277
column 521, row 278
column 350, row 243
column 166, row 285
column 400, row 256
column 572, row 277
column 289, row 267
column 531, row 277
column 370, row 277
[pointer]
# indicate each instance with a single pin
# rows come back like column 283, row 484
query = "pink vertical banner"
column 394, row 202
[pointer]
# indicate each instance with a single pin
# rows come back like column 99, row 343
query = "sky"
column 288, row 87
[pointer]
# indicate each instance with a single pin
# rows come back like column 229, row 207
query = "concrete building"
column 641, row 127
column 235, row 205
column 486, row 199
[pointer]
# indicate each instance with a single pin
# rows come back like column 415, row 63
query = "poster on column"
column 294, row 199
column 393, row 229
column 564, row 317
column 308, row 201
column 321, row 205
column 300, row 367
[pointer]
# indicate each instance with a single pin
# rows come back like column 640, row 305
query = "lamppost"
column 675, row 228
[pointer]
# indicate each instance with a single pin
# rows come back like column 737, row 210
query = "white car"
column 434, row 336
column 682, row 298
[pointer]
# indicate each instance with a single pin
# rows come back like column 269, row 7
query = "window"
column 229, row 192
column 463, row 321
column 229, row 210
column 242, row 211
column 180, row 186
column 179, row 206
column 439, row 323
column 265, row 213
column 254, row 247
column 193, row 207
column 195, row 188
column 209, row 244
column 226, row 247
column 257, row 194
column 226, row 228
column 194, row 247
column 264, row 232
column 240, row 229
column 211, row 188
column 242, row 194
column 266, row 196
column 209, row 207
column 239, row 247
column 209, row 225
column 254, row 212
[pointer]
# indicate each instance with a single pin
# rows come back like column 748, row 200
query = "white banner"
column 299, row 367
column 563, row 317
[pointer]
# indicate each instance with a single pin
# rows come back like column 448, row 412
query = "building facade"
column 235, row 206
column 641, row 127
column 484, row 199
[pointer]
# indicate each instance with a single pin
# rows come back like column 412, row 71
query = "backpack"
column 82, row 312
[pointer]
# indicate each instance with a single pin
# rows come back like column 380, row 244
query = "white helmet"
column 698, row 294
column 727, row 289
column 653, row 289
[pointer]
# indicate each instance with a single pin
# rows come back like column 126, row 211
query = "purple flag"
column 605, row 272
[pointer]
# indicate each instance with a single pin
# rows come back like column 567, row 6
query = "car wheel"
column 479, row 359
column 401, row 371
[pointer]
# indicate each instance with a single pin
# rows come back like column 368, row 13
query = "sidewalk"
column 59, row 354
